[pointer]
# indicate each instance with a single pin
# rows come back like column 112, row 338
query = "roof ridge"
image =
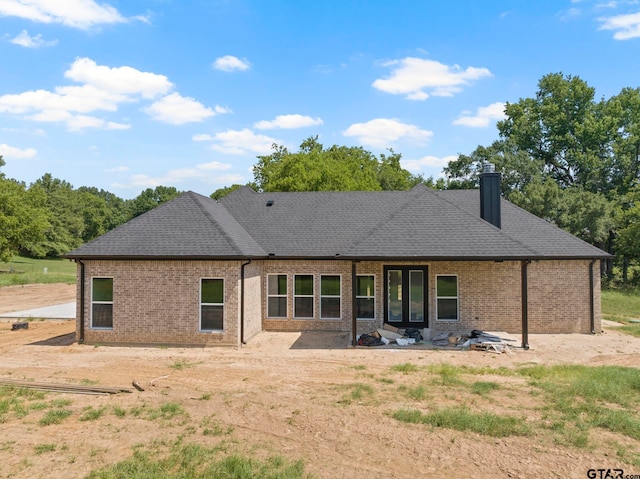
column 198, row 200
column 410, row 194
column 500, row 230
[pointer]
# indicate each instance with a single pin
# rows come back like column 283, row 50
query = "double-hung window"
column 277, row 296
column 447, row 307
column 303, row 296
column 365, row 296
column 330, row 297
column 211, row 304
column 102, row 303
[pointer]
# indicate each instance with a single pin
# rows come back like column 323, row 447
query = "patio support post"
column 592, row 311
column 242, row 266
column 354, row 293
column 525, row 304
column 81, row 335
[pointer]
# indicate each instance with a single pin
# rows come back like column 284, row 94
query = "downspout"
column 81, row 335
column 242, row 341
column 354, row 292
column 525, row 304
column 592, row 310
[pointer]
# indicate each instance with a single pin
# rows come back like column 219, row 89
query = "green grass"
column 180, row 364
column 193, row 461
column 42, row 448
column 605, row 397
column 21, row 270
column 55, row 416
column 620, row 304
column 462, row 419
column 91, row 414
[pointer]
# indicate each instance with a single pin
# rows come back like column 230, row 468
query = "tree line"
column 564, row 156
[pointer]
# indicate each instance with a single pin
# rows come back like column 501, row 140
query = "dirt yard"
column 284, row 393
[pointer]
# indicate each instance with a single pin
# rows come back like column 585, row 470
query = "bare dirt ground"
column 284, row 393
column 31, row 296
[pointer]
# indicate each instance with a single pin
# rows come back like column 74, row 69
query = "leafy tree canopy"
column 337, row 168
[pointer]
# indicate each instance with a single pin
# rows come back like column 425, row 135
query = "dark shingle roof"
column 190, row 226
column 416, row 224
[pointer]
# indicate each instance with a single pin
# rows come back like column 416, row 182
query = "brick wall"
column 158, row 302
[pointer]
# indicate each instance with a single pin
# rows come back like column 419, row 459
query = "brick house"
column 195, row 271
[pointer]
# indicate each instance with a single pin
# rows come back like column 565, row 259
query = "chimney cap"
column 488, row 167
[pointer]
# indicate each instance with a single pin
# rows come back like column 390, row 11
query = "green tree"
column 66, row 221
column 150, row 198
column 23, row 216
column 224, row 191
column 337, row 168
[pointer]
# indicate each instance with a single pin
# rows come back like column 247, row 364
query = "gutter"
column 242, row 341
column 81, row 335
column 592, row 311
column 525, row 304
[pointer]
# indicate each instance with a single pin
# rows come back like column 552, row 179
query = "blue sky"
column 131, row 94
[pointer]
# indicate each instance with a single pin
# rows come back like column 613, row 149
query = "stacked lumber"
column 63, row 387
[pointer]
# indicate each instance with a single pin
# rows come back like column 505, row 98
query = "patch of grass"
column 357, row 392
column 462, row 419
column 632, row 329
column 119, row 412
column 193, row 461
column 55, row 416
column 359, row 367
column 417, row 393
column 404, row 368
column 21, row 270
column 620, row 304
column 42, row 448
column 449, row 374
column 205, row 397
column 180, row 364
column 484, row 387
column 166, row 411
column 61, row 402
column 91, row 414
column 603, row 396
column 212, row 427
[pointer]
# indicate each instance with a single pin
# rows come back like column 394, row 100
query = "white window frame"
column 312, row 296
column 330, row 296
column 201, row 304
column 369, row 297
column 457, row 298
column 105, row 328
column 285, row 295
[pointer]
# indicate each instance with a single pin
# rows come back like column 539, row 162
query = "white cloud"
column 202, row 137
column 239, row 142
column 417, row 166
column 13, row 153
column 625, row 26
column 381, row 132
column 119, row 80
column 288, row 122
column 229, row 63
column 77, row 122
column 104, row 88
column 82, row 14
column 483, row 117
column 206, row 172
column 178, row 110
column 412, row 76
column 25, row 40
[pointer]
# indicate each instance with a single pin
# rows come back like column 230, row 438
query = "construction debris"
column 16, row 326
column 63, row 388
column 476, row 341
